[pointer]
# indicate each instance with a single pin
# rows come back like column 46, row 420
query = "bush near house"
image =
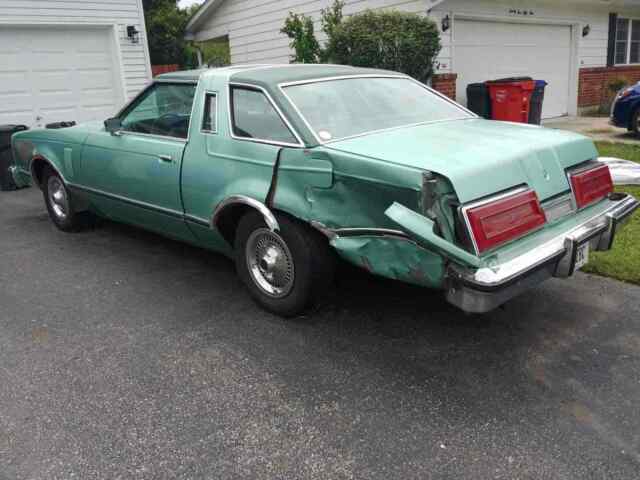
column 391, row 40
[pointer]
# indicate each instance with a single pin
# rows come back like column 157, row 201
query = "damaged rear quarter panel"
column 341, row 190
column 394, row 258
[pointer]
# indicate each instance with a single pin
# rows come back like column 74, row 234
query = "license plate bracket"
column 580, row 256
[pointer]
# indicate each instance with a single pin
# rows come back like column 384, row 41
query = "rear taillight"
column 495, row 222
column 591, row 185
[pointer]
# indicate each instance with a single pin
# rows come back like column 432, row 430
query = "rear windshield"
column 343, row 108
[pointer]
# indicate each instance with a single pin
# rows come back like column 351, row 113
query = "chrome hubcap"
column 270, row 263
column 58, row 198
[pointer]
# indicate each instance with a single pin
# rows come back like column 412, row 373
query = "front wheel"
column 60, row 205
column 285, row 271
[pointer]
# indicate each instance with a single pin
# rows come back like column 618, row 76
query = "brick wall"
column 445, row 83
column 593, row 88
column 158, row 69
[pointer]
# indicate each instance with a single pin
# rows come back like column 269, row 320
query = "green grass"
column 623, row 261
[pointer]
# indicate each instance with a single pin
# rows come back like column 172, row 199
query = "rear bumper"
column 479, row 290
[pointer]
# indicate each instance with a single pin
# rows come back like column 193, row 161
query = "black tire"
column 635, row 119
column 62, row 212
column 312, row 259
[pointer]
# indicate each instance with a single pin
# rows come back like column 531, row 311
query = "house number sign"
column 525, row 12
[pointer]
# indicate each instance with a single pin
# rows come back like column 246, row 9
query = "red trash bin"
column 511, row 99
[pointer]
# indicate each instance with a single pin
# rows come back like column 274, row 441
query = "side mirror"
column 113, row 125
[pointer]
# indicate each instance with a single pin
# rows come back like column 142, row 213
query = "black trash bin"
column 535, row 112
column 478, row 100
column 6, row 155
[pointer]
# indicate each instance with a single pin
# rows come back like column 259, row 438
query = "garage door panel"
column 62, row 74
column 490, row 50
column 94, row 60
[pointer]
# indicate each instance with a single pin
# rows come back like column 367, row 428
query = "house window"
column 627, row 41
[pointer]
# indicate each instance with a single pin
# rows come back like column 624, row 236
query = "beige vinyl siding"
column 135, row 68
column 253, row 26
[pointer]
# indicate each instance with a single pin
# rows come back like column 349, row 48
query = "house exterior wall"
column 594, row 84
column 591, row 72
column 253, row 26
column 134, row 58
column 445, row 83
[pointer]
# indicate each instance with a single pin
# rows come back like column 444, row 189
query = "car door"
column 235, row 152
column 134, row 174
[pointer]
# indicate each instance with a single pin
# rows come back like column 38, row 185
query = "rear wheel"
column 60, row 205
column 285, row 271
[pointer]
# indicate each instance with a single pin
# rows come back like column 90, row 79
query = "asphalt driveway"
column 126, row 355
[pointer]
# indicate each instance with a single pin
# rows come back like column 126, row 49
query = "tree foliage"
column 166, row 24
column 299, row 28
column 392, row 40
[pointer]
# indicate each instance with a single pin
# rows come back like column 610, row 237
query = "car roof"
column 268, row 75
column 277, row 74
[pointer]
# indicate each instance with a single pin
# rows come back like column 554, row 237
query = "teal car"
column 285, row 168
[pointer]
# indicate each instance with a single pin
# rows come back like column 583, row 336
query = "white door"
column 51, row 74
column 485, row 50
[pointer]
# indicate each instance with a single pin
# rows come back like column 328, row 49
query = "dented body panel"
column 388, row 201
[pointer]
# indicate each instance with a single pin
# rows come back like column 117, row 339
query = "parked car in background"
column 625, row 111
column 281, row 167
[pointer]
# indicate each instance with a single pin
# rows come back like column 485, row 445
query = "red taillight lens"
column 506, row 219
column 591, row 185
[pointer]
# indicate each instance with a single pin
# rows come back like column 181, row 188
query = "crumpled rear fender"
column 421, row 229
column 393, row 257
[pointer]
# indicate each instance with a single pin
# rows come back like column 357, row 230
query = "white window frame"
column 629, row 33
column 208, row 94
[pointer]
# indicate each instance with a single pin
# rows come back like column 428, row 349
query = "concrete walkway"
column 597, row 128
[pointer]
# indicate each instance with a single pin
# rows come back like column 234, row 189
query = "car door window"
column 164, row 109
column 254, row 117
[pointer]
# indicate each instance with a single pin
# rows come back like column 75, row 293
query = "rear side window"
column 210, row 118
column 254, row 117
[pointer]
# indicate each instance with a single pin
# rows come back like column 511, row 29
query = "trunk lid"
column 480, row 157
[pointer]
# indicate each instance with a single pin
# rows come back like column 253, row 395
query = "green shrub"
column 391, row 40
column 303, row 39
column 404, row 42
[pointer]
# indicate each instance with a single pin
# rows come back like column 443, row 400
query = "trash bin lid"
column 511, row 80
column 541, row 83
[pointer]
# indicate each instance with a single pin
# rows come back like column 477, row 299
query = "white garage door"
column 52, row 74
column 485, row 50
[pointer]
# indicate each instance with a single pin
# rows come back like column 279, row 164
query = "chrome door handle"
column 165, row 158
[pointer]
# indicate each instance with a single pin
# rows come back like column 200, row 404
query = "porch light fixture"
column 586, row 30
column 133, row 34
column 446, row 23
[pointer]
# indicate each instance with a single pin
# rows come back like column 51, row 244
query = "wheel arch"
column 228, row 213
column 38, row 164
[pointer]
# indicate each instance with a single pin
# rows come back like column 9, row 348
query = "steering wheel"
column 169, row 118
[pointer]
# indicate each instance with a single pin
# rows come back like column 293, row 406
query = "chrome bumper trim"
column 481, row 290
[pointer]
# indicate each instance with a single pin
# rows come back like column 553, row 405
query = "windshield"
column 343, row 108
